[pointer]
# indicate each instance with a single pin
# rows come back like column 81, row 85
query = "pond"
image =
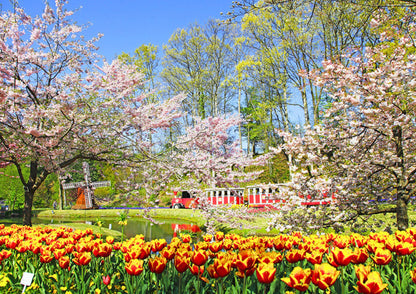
column 166, row 230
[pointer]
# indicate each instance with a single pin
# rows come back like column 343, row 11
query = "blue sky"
column 127, row 24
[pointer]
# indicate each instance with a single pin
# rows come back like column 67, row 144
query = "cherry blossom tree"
column 210, row 156
column 364, row 148
column 60, row 103
column 205, row 156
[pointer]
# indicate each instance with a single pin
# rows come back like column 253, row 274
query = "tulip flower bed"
column 67, row 261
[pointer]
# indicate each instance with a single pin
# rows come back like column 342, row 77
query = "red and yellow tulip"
column 324, row 275
column 299, row 279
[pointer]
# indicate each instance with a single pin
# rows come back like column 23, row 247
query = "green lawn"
column 177, row 214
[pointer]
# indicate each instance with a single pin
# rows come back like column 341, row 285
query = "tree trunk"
column 402, row 197
column 27, row 210
column 305, row 107
column 239, row 114
column 33, row 183
column 61, row 197
column 401, row 213
column 286, row 114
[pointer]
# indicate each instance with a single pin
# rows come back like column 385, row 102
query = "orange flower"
column 185, row 247
column 222, row 267
column 265, row 273
column 144, row 251
column 391, row 243
column 117, row 246
column 305, row 246
column 35, row 247
column 404, row 248
column 413, row 275
column 102, row 250
column 315, row 257
column 227, row 244
column 22, row 247
column 340, row 257
column 201, row 245
column 82, row 247
column 359, row 255
column 183, row 252
column 404, row 236
column 207, row 238
column 382, row 256
column 380, row 237
column 64, row 262
column 295, row 255
column 5, row 254
column 246, row 273
column 181, row 262
column 289, row 243
column 270, row 257
column 58, row 253
column 134, row 267
column 297, row 234
column 69, row 248
column 158, row 244
column 212, row 272
column 186, row 238
column 157, row 265
column 12, row 243
column 373, row 284
column 215, row 246
column 199, row 257
column 245, row 260
column 411, row 231
column 362, row 271
column 279, row 244
column 168, row 253
column 141, row 251
column 358, row 240
column 196, row 270
column 324, row 275
column 45, row 258
column 299, row 279
column 342, row 241
column 82, row 258
column 109, row 239
column 372, row 245
column 219, row 236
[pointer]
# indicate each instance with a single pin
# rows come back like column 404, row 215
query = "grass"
column 173, row 214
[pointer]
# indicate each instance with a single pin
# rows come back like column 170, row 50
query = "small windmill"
column 87, row 185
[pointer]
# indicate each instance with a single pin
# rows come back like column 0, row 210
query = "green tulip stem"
column 220, row 285
column 342, row 281
column 179, row 284
column 398, row 271
column 244, row 284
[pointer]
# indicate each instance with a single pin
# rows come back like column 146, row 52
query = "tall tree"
column 146, row 59
column 60, row 105
column 199, row 62
column 293, row 35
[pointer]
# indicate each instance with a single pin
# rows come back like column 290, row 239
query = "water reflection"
column 167, row 230
column 178, row 228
